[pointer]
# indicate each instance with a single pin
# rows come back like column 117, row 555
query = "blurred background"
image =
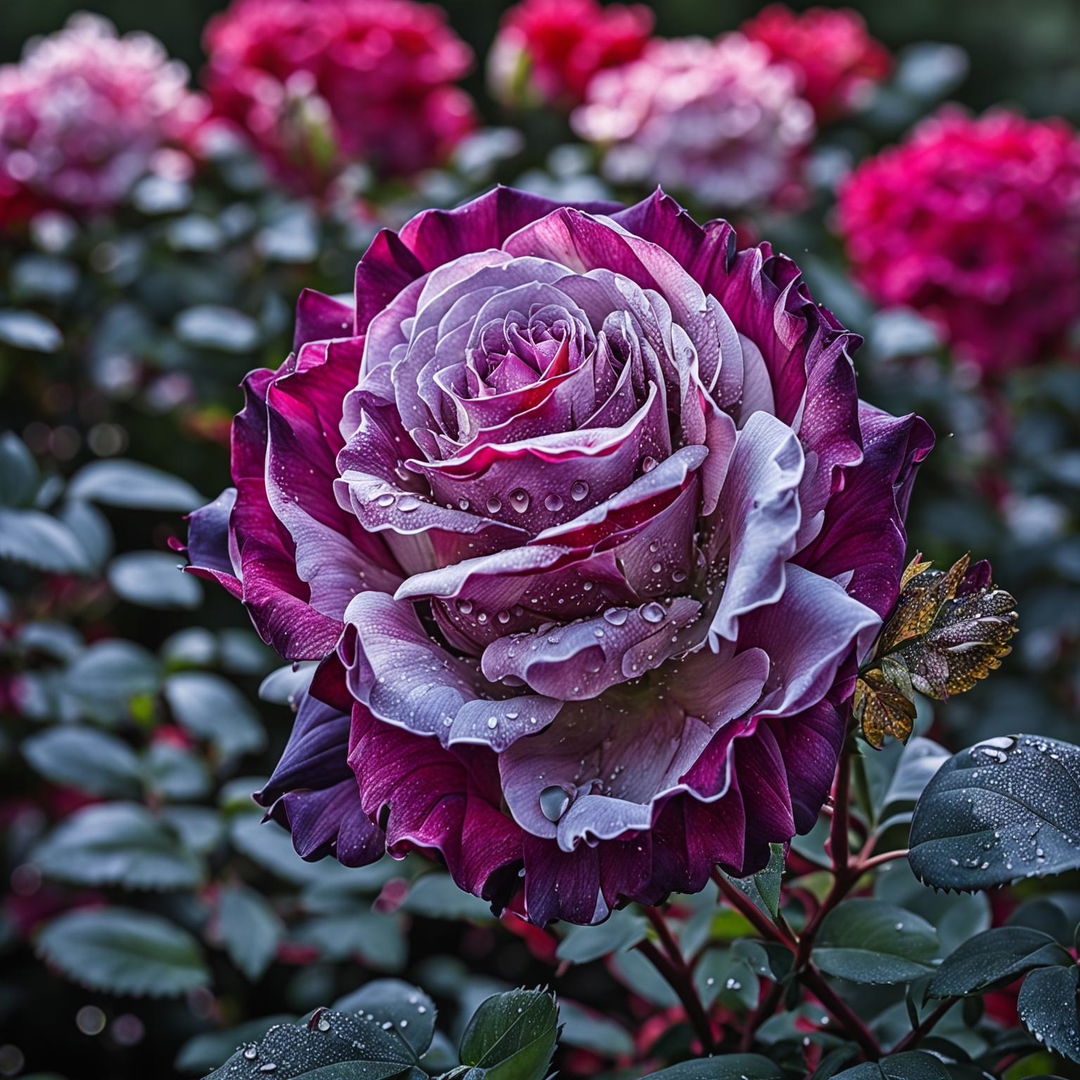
column 1023, row 53
column 139, row 708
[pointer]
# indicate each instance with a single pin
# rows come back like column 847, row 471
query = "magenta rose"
column 582, row 513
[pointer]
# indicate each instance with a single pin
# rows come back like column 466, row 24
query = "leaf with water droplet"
column 512, row 1036
column 993, row 958
column 871, row 942
column 1002, row 810
column 1047, row 1005
column 722, row 1067
column 948, row 630
column 764, row 886
column 910, row 1065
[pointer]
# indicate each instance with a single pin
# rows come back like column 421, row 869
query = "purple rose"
column 583, row 512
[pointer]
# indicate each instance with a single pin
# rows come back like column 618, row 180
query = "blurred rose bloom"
column 584, row 509
column 716, row 120
column 835, row 60
column 317, row 84
column 547, row 51
column 974, row 223
column 85, row 114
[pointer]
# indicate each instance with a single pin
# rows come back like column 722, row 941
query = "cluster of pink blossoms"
column 716, row 118
column 548, row 51
column 835, row 60
column 86, row 114
column 316, row 84
column 975, row 223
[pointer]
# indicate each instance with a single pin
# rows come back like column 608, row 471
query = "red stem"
column 679, row 976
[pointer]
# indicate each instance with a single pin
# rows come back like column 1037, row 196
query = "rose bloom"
column 835, row 60
column 974, row 223
column 319, row 83
column 547, row 51
column 85, row 114
column 582, row 510
column 717, row 120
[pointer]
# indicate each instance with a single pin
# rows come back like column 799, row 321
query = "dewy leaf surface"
column 1004, row 809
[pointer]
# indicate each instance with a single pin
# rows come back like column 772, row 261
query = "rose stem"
column 679, row 976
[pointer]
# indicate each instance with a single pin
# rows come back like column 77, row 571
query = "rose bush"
column 85, row 114
column 833, row 56
column 316, row 84
column 715, row 119
column 974, row 223
column 549, row 50
column 583, row 511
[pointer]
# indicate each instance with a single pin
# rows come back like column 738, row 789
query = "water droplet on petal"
column 615, row 616
column 465, row 607
column 250, row 1053
column 494, row 504
column 648, row 464
column 519, row 500
column 408, row 503
column 653, row 612
column 554, row 802
column 553, row 502
column 385, row 499
column 579, row 490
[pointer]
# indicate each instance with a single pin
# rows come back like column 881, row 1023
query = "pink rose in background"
column 974, row 223
column 319, row 83
column 834, row 58
column 85, row 114
column 548, row 51
column 716, row 120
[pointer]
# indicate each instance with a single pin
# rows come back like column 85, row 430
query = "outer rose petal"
column 596, row 702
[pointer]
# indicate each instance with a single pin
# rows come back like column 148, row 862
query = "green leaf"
column 106, row 677
column 375, row 937
column 38, row 540
column 1056, row 914
column 153, row 579
column 85, row 758
column 90, row 528
column 119, row 482
column 589, row 1030
column 407, row 1009
column 722, row 1067
column 19, row 476
column 724, row 974
column 622, row 931
column 175, row 773
column 995, row 957
column 204, row 1052
column 250, row 929
column 124, row 952
column 512, row 1036
column 1002, row 810
column 212, row 326
column 913, row 1065
column 30, row 331
column 764, row 887
column 436, row 896
column 1047, row 1006
column 871, row 942
column 118, row 844
column 211, row 708
column 330, row 1046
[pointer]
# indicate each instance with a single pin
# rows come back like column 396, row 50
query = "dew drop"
column 653, row 612
column 493, row 722
column 465, row 607
column 553, row 502
column 553, row 802
column 323, row 1024
column 494, row 504
column 250, row 1053
column 408, row 503
column 519, row 500
column 385, row 499
column 579, row 490
column 615, row 616
column 648, row 464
